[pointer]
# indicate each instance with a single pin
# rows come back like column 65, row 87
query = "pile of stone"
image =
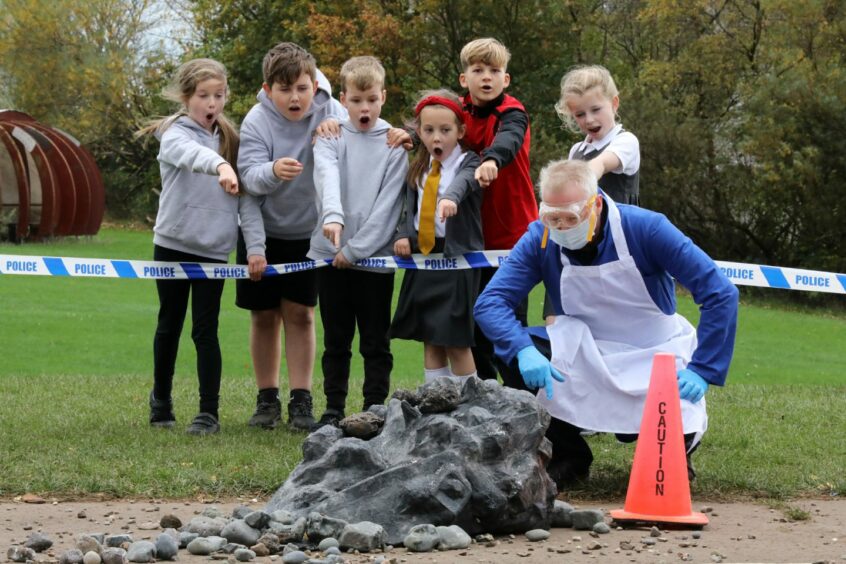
column 248, row 534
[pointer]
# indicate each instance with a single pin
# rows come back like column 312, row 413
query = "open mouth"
column 209, row 117
column 364, row 120
column 438, row 151
column 294, row 109
column 487, row 88
column 594, row 129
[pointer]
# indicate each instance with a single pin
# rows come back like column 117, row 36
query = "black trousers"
column 348, row 298
column 205, row 309
column 487, row 363
column 571, row 454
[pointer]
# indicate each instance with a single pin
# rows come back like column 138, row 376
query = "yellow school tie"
column 426, row 233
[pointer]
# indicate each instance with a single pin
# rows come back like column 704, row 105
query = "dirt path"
column 738, row 532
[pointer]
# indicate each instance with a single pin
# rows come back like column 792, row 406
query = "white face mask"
column 574, row 238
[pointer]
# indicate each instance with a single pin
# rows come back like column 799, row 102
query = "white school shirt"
column 449, row 166
column 624, row 144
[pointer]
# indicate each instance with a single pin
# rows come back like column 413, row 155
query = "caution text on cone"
column 659, row 491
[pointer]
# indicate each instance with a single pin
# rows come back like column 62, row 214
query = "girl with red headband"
column 442, row 215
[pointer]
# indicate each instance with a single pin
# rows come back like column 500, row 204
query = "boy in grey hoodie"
column 359, row 181
column 275, row 161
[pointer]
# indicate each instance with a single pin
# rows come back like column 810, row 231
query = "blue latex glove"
column 692, row 386
column 536, row 370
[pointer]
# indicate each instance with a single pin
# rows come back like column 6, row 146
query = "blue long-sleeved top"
column 661, row 252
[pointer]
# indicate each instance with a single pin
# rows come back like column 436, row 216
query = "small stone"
column 626, row 545
column 20, row 554
column 170, row 521
column 422, row 538
column 87, row 543
column 260, row 549
column 327, row 543
column 113, row 555
column 185, row 538
column 38, row 542
column 240, row 532
column 212, row 512
column 282, row 516
column 594, row 545
column 148, row 526
column 561, row 514
column 696, row 534
column 32, row 498
column 244, row 555
column 654, row 532
column 230, row 548
column 91, row 558
column 72, row 556
column 453, row 538
column 707, row 509
column 257, row 519
column 364, row 536
column 200, row 546
column 648, row 541
column 116, row 541
column 294, row 557
column 536, row 535
column 241, row 511
column 141, row 551
column 333, row 551
column 601, row 528
column 585, row 519
column 167, row 547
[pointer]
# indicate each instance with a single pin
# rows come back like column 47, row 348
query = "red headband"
column 439, row 101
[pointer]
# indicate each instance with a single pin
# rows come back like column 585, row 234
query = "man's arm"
column 494, row 310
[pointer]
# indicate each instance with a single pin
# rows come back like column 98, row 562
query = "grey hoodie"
column 266, row 135
column 359, row 182
column 195, row 214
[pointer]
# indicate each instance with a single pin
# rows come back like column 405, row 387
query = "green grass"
column 77, row 362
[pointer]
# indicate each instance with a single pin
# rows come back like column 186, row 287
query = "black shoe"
column 267, row 415
column 203, row 424
column 330, row 417
column 300, row 413
column 161, row 413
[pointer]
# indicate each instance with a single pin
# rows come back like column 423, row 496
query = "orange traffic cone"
column 659, row 491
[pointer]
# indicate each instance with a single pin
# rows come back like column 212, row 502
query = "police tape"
column 740, row 274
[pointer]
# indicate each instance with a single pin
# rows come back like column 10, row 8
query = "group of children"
column 323, row 179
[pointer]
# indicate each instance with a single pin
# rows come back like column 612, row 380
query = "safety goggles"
column 562, row 218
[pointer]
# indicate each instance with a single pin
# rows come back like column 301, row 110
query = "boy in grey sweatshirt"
column 359, row 181
column 275, row 161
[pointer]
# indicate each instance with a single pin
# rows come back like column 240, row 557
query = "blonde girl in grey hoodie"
column 200, row 209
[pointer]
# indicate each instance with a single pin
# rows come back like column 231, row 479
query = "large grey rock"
column 365, row 425
column 72, row 556
column 363, row 537
column 167, row 547
column 257, row 519
column 39, row 542
column 470, row 455
column 87, row 543
column 238, row 531
column 205, row 526
column 201, row 546
column 141, row 551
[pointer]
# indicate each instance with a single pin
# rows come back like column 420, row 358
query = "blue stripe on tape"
column 406, row 263
column 270, row 271
column 56, row 266
column 124, row 269
column 477, row 259
column 193, row 270
column 842, row 279
column 775, row 277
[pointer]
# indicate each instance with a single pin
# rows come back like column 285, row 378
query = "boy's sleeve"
column 179, row 149
column 380, row 226
column 327, row 180
column 513, row 125
column 252, row 225
column 405, row 228
column 255, row 160
column 464, row 182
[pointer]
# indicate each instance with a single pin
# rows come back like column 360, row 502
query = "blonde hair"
column 362, row 73
column 577, row 82
column 486, row 50
column 420, row 162
column 285, row 63
column 180, row 89
column 556, row 174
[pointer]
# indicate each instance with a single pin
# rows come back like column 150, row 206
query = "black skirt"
column 436, row 307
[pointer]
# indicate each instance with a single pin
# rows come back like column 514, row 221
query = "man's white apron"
column 605, row 344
